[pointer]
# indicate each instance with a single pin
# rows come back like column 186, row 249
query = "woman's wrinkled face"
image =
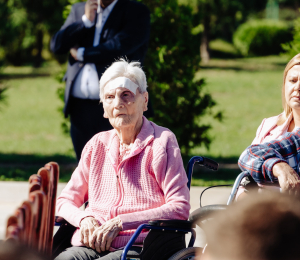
column 122, row 107
column 292, row 87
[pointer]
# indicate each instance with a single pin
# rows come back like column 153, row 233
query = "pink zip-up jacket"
column 150, row 183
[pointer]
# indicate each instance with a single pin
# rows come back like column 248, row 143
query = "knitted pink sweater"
column 150, row 183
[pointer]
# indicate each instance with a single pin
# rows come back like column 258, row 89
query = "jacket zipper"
column 120, row 186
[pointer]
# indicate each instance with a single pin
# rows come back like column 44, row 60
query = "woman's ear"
column 146, row 98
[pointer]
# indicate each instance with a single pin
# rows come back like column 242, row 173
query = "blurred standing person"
column 96, row 33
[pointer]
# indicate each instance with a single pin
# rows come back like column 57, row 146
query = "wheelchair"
column 166, row 238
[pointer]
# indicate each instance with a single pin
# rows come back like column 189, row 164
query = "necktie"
column 98, row 25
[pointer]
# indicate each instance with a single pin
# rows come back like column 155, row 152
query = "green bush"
column 25, row 29
column 261, row 37
column 172, row 60
column 292, row 48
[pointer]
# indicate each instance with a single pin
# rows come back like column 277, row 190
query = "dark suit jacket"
column 125, row 34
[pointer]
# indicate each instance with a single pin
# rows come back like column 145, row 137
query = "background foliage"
column 173, row 58
column 241, row 86
column 26, row 26
column 261, row 37
column 292, row 48
column 220, row 18
column 178, row 100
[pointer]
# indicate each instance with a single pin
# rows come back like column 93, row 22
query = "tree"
column 24, row 25
column 292, row 48
column 173, row 58
column 46, row 18
column 221, row 18
column 11, row 21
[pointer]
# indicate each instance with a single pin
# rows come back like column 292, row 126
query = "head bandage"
column 123, row 82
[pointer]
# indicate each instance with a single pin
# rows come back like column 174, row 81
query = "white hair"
column 122, row 68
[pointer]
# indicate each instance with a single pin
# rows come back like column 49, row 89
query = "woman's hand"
column 104, row 235
column 87, row 228
column 288, row 179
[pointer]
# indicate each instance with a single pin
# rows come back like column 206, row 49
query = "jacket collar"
column 145, row 136
column 284, row 127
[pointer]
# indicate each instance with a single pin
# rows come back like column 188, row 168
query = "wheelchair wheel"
column 186, row 254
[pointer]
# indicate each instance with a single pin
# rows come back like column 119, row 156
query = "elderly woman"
column 129, row 175
column 274, row 127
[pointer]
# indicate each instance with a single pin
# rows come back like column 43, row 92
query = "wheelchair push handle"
column 208, row 163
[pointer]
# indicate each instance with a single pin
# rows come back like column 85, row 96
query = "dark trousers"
column 84, row 253
column 86, row 120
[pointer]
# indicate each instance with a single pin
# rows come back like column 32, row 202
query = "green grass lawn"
column 30, row 133
column 246, row 90
column 30, row 122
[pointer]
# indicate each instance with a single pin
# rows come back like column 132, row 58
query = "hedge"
column 261, row 37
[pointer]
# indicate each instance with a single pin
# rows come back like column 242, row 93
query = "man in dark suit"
column 96, row 33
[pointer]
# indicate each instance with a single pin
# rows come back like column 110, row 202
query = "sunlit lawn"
column 30, row 131
column 30, row 122
column 246, row 90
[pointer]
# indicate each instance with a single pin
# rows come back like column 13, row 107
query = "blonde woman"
column 274, row 127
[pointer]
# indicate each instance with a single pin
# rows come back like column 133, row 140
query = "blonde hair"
column 123, row 68
column 287, row 109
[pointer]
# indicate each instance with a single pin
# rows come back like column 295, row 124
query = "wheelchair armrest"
column 205, row 212
column 63, row 236
column 177, row 223
column 59, row 221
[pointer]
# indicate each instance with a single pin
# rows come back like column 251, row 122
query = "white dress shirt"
column 86, row 85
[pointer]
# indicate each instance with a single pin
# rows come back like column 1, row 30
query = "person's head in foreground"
column 261, row 227
column 129, row 175
column 11, row 250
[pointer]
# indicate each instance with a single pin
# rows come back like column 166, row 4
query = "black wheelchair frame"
column 203, row 213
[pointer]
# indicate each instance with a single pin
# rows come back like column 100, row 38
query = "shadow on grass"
column 219, row 160
column 22, row 173
column 224, row 55
column 19, row 167
column 226, row 174
column 205, row 177
column 23, row 76
column 224, row 68
column 239, row 68
column 29, row 159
